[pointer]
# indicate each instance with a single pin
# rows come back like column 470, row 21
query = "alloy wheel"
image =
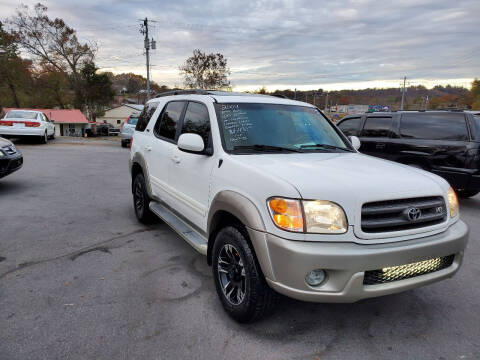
column 231, row 274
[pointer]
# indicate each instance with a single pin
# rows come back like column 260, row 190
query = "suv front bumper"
column 285, row 264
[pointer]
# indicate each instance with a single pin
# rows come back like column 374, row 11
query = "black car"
column 446, row 143
column 11, row 158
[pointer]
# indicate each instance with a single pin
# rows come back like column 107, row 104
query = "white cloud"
column 286, row 43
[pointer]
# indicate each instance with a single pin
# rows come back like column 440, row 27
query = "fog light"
column 315, row 277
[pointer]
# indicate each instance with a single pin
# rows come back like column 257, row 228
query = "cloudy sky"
column 286, row 44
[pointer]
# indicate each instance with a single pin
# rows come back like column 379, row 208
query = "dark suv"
column 446, row 143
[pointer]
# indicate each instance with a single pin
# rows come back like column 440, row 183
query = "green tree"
column 205, row 71
column 97, row 92
column 15, row 75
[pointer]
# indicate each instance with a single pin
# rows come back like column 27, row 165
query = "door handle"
column 176, row 159
column 380, row 146
column 148, row 148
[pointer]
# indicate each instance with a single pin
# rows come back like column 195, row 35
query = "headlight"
column 452, row 202
column 286, row 213
column 321, row 216
column 324, row 217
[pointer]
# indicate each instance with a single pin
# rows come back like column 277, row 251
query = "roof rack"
column 185, row 92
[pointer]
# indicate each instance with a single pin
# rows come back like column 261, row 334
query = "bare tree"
column 205, row 71
column 52, row 43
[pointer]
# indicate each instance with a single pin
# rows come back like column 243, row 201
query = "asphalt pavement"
column 80, row 278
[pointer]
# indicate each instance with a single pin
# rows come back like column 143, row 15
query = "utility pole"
column 326, row 102
column 403, row 92
column 314, row 98
column 426, row 103
column 295, row 94
column 147, row 44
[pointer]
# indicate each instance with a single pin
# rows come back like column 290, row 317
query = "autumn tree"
column 475, row 93
column 205, row 71
column 52, row 43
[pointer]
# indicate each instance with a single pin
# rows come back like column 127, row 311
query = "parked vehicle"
column 107, row 130
column 128, row 128
column 279, row 200
column 446, row 143
column 11, row 158
column 27, row 123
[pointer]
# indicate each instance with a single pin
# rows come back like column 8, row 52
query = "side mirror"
column 355, row 142
column 191, row 143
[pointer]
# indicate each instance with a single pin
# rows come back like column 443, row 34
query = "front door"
column 190, row 174
column 376, row 134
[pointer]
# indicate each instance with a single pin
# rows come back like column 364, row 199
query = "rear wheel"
column 467, row 193
column 124, row 144
column 141, row 200
column 243, row 291
column 44, row 139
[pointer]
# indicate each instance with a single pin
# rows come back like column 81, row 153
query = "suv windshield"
column 15, row 114
column 250, row 127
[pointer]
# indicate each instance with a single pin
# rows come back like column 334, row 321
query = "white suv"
column 280, row 201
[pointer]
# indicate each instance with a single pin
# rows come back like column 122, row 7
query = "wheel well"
column 220, row 220
column 136, row 169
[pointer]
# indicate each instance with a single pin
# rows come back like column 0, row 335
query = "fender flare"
column 139, row 160
column 237, row 205
column 247, row 213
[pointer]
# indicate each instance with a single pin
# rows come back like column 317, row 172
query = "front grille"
column 394, row 273
column 404, row 214
column 9, row 150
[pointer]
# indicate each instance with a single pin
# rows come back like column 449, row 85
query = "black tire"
column 467, row 193
column 124, row 144
column 141, row 200
column 258, row 298
column 43, row 139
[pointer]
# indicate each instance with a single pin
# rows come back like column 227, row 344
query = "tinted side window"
column 145, row 116
column 377, row 126
column 350, row 126
column 446, row 126
column 166, row 125
column 197, row 121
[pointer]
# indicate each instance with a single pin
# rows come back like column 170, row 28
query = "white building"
column 117, row 115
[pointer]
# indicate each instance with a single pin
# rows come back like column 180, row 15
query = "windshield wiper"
column 262, row 147
column 325, row 146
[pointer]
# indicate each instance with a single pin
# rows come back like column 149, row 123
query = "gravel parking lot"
column 80, row 278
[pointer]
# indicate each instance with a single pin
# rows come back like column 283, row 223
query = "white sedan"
column 27, row 123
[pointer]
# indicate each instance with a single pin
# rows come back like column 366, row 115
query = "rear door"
column 160, row 151
column 376, row 134
column 436, row 141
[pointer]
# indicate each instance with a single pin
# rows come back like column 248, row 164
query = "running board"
column 197, row 241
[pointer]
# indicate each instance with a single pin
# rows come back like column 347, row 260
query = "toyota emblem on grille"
column 414, row 214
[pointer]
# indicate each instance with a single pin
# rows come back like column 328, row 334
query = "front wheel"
column 467, row 193
column 239, row 281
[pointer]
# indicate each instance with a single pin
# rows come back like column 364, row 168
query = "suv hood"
column 349, row 179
